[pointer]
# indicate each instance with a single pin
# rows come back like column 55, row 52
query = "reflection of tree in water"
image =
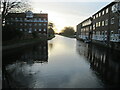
column 104, row 62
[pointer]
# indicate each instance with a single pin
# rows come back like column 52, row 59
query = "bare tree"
column 8, row 6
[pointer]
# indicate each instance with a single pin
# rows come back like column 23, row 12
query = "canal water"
column 62, row 63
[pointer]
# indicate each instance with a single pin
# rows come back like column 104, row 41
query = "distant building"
column 84, row 29
column 103, row 25
column 28, row 22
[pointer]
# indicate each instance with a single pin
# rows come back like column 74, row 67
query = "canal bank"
column 24, row 43
column 111, row 45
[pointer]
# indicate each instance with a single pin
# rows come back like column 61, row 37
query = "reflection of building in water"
column 39, row 53
column 104, row 62
column 23, row 66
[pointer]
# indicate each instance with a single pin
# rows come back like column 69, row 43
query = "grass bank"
column 20, row 43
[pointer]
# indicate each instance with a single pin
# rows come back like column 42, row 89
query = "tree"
column 8, row 6
column 50, row 29
column 68, row 31
column 51, row 25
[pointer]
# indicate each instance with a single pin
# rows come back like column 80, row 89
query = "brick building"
column 105, row 25
column 84, row 29
column 28, row 22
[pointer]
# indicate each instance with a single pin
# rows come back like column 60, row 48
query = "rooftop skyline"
column 68, row 13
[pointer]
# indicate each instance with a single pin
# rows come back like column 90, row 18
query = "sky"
column 68, row 12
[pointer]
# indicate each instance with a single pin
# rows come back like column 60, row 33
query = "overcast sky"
column 68, row 12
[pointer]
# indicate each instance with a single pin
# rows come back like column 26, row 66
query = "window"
column 30, row 30
column 96, row 15
column 16, row 18
column 107, row 10
column 93, row 17
column 39, row 29
column 44, row 29
column 99, row 24
column 114, row 7
column 111, row 32
column 30, row 24
column 112, row 20
column 99, row 14
column 35, row 24
column 103, row 12
column 35, row 29
column 39, row 24
column 29, row 14
column 20, row 19
column 25, row 29
column 106, row 22
column 21, row 29
column 44, row 19
column 90, row 27
column 11, row 18
column 44, row 24
column 103, row 23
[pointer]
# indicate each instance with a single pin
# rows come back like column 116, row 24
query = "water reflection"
column 21, row 66
column 51, row 46
column 36, row 53
column 104, row 62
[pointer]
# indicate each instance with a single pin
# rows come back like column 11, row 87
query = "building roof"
column 24, row 15
column 112, row 3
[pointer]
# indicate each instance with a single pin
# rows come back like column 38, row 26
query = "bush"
column 9, row 33
column 51, row 32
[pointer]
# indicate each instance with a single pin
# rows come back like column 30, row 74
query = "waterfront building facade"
column 105, row 25
column 84, row 29
column 28, row 22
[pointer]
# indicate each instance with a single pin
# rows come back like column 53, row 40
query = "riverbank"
column 70, row 36
column 112, row 46
column 20, row 43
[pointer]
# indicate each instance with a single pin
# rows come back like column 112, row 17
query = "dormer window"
column 29, row 14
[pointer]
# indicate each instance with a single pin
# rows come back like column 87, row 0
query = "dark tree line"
column 68, row 31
